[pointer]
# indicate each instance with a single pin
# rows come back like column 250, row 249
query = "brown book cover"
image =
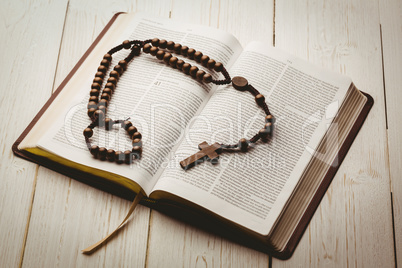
column 197, row 218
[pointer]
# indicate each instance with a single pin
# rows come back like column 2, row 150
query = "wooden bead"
column 186, row 68
column 100, row 75
column 118, row 69
column 170, row 45
column 103, row 102
column 153, row 51
column 270, row 119
column 110, row 85
column 269, row 128
column 167, row 57
column 160, row 54
column 102, row 69
column 131, row 130
column 200, row 75
column 91, row 112
column 108, row 57
column 243, row 145
column 105, row 63
column 99, row 114
column 94, row 150
column 102, row 153
column 112, row 80
column 101, row 108
column 94, row 92
column 263, row 134
column 184, row 50
column 88, row 132
column 95, row 86
column 110, row 155
column 197, row 56
column 204, row 60
column 92, row 104
column 173, row 61
column 239, row 83
column 179, row 64
column 136, row 135
column 114, row 74
column 155, row 42
column 137, row 50
column 207, row 78
column 108, row 91
column 94, row 99
column 127, row 157
column 190, row 53
column 177, row 48
column 260, row 99
column 193, row 71
column 211, row 64
column 162, row 43
column 146, row 48
column 123, row 64
column 108, row 123
column 119, row 157
column 98, row 80
column 218, row 67
column 137, row 142
column 126, row 124
column 105, row 96
column 137, row 150
column 126, row 44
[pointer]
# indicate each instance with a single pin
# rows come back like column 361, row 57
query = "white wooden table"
column 46, row 218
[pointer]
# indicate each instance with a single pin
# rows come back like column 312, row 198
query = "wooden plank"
column 22, row 95
column 68, row 216
column 391, row 22
column 353, row 225
column 172, row 243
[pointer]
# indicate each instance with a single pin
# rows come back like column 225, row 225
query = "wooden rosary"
column 97, row 108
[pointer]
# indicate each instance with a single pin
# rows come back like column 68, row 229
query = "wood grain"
column 391, row 22
column 353, row 224
column 22, row 95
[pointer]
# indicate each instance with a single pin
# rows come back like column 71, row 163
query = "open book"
column 263, row 198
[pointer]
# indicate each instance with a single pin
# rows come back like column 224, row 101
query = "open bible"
column 263, row 198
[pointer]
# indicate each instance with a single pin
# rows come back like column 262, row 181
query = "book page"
column 159, row 100
column 251, row 188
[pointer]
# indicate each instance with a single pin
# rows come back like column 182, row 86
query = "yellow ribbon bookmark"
column 94, row 247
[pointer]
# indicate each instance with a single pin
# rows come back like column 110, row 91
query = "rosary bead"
column 91, row 112
column 186, row 68
column 102, row 153
column 260, row 99
column 94, row 150
column 170, row 45
column 95, row 86
column 126, row 44
column 243, row 144
column 218, row 67
column 114, row 74
column 126, row 124
column 119, row 157
column 105, row 96
column 88, row 132
column 103, row 102
column 110, row 155
column 173, row 61
column 146, row 48
column 263, row 134
column 184, row 50
column 94, row 92
column 123, row 64
column 131, row 130
column 108, row 57
column 137, row 150
column 112, row 80
column 94, row 99
column 108, row 91
column 153, row 51
column 177, row 48
column 136, row 135
column 98, row 80
column 92, row 104
column 110, row 85
column 167, row 57
column 179, row 64
column 200, row 75
column 270, row 119
column 137, row 50
column 204, row 60
column 160, row 54
column 137, row 142
column 190, row 53
column 108, row 123
column 99, row 114
column 193, row 71
column 100, row 75
column 101, row 108
column 269, row 128
column 239, row 83
column 207, row 78
column 211, row 64
column 162, row 43
column 118, row 69
column 155, row 42
column 197, row 56
column 127, row 157
column 102, row 69
column 105, row 63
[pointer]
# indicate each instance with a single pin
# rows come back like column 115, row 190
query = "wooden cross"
column 208, row 152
